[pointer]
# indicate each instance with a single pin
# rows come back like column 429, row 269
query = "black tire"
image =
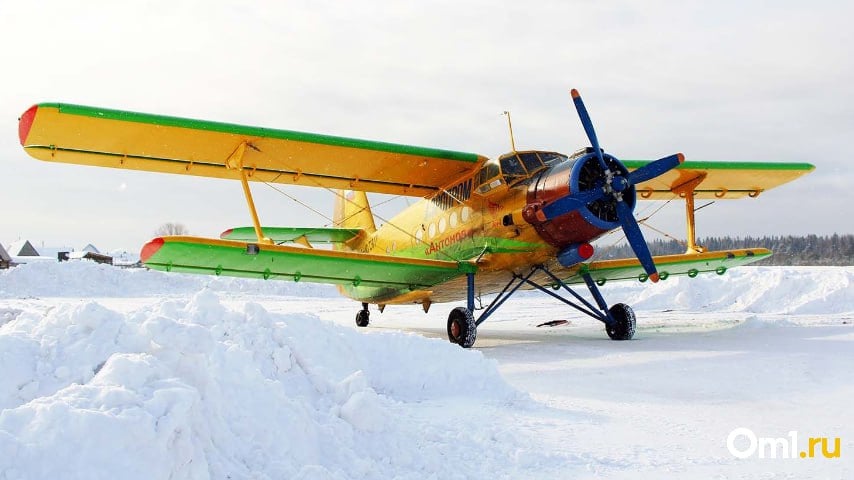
column 624, row 328
column 462, row 328
column 363, row 318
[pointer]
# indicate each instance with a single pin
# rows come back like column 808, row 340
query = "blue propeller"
column 656, row 168
column 588, row 127
column 572, row 202
column 614, row 184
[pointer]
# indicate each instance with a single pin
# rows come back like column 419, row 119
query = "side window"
column 488, row 177
column 486, row 173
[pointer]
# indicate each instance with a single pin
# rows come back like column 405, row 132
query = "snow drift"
column 89, row 279
column 192, row 389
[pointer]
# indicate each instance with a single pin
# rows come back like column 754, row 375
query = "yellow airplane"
column 523, row 221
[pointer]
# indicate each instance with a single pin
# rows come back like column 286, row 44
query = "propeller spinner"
column 609, row 189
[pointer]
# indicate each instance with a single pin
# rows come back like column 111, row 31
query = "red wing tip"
column 574, row 93
column 654, row 277
column 25, row 123
column 681, row 157
column 150, row 249
column 226, row 233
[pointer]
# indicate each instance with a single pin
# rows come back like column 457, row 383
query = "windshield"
column 514, row 167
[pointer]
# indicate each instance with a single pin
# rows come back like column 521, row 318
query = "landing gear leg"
column 363, row 316
column 619, row 319
column 462, row 328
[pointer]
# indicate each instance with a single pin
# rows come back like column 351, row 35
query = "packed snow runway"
column 109, row 373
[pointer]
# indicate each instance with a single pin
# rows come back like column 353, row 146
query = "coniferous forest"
column 788, row 250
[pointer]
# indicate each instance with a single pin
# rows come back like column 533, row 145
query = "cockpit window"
column 531, row 161
column 489, row 177
column 551, row 157
column 487, row 173
column 512, row 167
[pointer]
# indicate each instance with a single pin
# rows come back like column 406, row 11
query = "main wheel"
column 624, row 328
column 462, row 328
column 363, row 317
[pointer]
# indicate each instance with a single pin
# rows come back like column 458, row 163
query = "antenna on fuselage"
column 510, row 126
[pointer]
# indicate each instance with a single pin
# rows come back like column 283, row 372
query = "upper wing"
column 113, row 138
column 721, row 180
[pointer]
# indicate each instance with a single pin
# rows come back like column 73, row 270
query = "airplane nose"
column 619, row 184
column 563, row 203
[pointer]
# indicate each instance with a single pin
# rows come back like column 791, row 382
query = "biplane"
column 482, row 227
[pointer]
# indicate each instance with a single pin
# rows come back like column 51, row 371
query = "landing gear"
column 462, row 328
column 619, row 320
column 363, row 316
column 623, row 326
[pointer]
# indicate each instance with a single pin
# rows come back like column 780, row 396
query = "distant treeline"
column 806, row 250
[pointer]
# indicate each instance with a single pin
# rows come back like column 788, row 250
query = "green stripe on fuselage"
column 469, row 249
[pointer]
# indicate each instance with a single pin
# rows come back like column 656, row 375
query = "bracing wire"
column 339, row 194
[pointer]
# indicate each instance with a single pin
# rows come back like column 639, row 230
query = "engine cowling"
column 579, row 173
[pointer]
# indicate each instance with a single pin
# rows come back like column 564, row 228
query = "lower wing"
column 690, row 264
column 241, row 259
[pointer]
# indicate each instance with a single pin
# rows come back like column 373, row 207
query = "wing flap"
column 276, row 262
column 719, row 180
column 137, row 141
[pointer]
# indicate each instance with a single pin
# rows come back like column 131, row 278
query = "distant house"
column 84, row 255
column 22, row 248
column 53, row 252
column 91, row 249
column 5, row 259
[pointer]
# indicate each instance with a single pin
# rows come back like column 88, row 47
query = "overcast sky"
column 726, row 80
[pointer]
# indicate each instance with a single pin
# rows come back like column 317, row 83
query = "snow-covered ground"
column 111, row 373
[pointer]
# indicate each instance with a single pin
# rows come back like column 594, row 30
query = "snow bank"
column 779, row 290
column 89, row 279
column 192, row 389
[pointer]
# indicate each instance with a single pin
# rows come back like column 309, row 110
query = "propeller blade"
column 656, row 168
column 636, row 240
column 572, row 202
column 588, row 126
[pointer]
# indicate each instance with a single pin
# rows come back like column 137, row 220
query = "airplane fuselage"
column 481, row 218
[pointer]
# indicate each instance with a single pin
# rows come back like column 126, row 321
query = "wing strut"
column 686, row 191
column 235, row 162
